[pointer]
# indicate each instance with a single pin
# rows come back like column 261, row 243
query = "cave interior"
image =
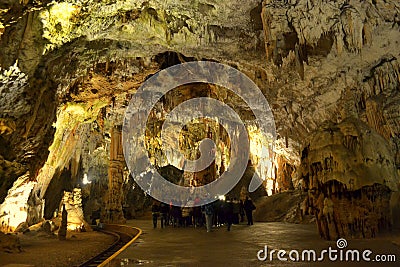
column 329, row 70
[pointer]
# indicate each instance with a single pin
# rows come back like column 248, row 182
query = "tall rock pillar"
column 113, row 209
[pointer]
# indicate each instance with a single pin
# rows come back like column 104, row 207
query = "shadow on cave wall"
column 61, row 182
column 241, row 188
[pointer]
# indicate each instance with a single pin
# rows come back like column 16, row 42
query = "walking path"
column 239, row 247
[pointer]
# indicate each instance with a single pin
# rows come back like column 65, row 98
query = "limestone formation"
column 349, row 172
column 72, row 203
column 62, row 231
column 68, row 70
column 115, row 196
column 15, row 208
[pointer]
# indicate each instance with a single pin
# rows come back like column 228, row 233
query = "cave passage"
column 111, row 110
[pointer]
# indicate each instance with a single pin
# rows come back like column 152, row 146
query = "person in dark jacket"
column 248, row 208
column 208, row 212
column 164, row 210
column 236, row 210
column 197, row 217
column 228, row 210
column 176, row 213
column 241, row 206
column 155, row 212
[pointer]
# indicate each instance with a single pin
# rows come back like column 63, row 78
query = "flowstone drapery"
column 349, row 172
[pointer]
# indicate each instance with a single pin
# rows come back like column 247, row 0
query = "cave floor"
column 40, row 249
column 239, row 247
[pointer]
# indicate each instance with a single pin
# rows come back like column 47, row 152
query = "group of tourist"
column 217, row 213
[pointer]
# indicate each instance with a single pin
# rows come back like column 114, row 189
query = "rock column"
column 113, row 211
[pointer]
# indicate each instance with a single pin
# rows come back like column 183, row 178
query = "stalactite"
column 284, row 174
column 376, row 118
column 299, row 62
column 32, row 119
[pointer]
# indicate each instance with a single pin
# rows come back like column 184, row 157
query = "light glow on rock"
column 58, row 23
column 86, row 179
column 13, row 211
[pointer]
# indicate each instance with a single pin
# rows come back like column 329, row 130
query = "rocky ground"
column 42, row 249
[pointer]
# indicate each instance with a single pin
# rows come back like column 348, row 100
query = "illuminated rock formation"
column 349, row 172
column 115, row 195
column 69, row 68
column 72, row 203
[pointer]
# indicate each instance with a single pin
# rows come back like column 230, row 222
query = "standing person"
column 164, row 210
column 236, row 210
column 186, row 216
column 197, row 214
column 155, row 211
column 176, row 214
column 208, row 212
column 228, row 210
column 248, row 208
column 220, row 213
column 197, row 217
column 241, row 211
column 189, row 209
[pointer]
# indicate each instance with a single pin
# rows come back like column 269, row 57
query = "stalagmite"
column 114, row 199
column 62, row 232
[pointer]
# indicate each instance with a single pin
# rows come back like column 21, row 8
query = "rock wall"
column 14, row 210
column 349, row 173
